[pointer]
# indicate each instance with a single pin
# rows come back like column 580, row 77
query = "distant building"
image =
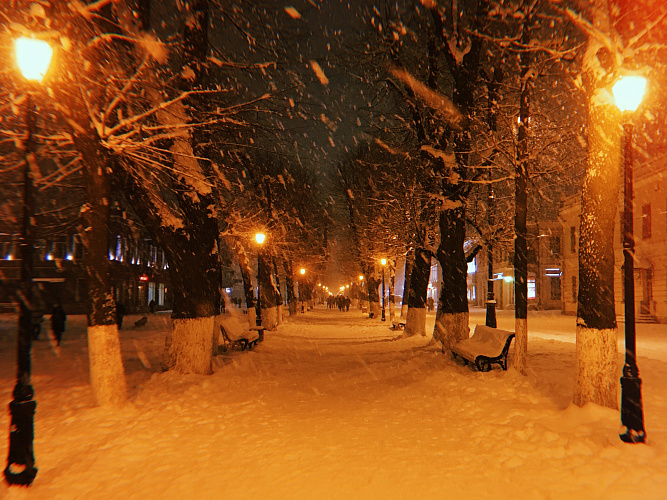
column 138, row 269
column 650, row 234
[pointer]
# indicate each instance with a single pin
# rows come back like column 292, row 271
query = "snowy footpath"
column 336, row 406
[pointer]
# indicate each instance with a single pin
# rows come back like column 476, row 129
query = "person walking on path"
column 58, row 318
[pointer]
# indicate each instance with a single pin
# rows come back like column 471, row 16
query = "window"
column 574, row 289
column 554, row 243
column 573, row 239
column 531, row 288
column 646, row 221
column 555, row 288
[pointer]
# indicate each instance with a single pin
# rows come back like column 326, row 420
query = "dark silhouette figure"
column 120, row 314
column 151, row 306
column 58, row 318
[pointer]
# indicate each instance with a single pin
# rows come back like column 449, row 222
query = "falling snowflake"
column 319, row 73
column 293, row 13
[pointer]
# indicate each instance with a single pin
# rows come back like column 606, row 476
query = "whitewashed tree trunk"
column 597, row 379
column 520, row 344
column 597, row 370
column 375, row 309
column 107, row 375
column 415, row 322
column 450, row 328
column 270, row 318
column 191, row 344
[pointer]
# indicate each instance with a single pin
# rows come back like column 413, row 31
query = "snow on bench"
column 398, row 324
column 486, row 346
column 236, row 331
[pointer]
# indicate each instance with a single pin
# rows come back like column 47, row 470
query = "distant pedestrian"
column 151, row 306
column 58, row 318
column 120, row 314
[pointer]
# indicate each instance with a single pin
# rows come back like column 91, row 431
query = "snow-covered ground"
column 336, row 406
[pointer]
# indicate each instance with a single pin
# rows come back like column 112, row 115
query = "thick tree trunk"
column 596, row 316
column 521, row 209
column 409, row 265
column 289, row 284
column 416, row 318
column 451, row 320
column 107, row 374
column 374, row 307
column 268, row 293
column 196, row 285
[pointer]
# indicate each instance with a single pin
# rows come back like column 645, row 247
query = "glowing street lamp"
column 259, row 238
column 33, row 58
column 628, row 93
column 384, row 263
column 302, row 272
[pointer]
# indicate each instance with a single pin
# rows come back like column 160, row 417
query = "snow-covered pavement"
column 336, row 406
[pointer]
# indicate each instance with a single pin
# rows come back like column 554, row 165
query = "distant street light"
column 302, row 271
column 33, row 58
column 259, row 238
column 628, row 93
column 384, row 263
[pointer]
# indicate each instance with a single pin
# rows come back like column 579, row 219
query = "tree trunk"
column 596, row 316
column 374, row 307
column 289, row 283
column 268, row 293
column 196, row 284
column 416, row 318
column 107, row 374
column 521, row 208
column 451, row 320
column 409, row 264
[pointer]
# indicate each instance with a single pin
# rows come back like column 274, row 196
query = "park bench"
column 398, row 324
column 486, row 346
column 238, row 333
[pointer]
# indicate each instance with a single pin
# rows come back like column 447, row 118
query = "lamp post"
column 33, row 58
column 259, row 238
column 490, row 297
column 628, row 93
column 384, row 263
column 302, row 271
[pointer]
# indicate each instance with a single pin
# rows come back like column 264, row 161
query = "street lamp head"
column 33, row 57
column 260, row 237
column 361, row 277
column 302, row 271
column 383, row 262
column 628, row 92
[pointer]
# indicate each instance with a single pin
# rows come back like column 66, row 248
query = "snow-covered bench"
column 236, row 332
column 398, row 324
column 486, row 346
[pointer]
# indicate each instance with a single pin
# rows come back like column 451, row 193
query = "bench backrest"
column 492, row 336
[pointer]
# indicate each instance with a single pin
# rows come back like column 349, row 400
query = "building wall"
column 650, row 234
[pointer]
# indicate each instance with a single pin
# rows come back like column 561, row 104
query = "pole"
column 258, row 305
column 632, row 415
column 21, row 460
column 383, row 317
column 490, row 297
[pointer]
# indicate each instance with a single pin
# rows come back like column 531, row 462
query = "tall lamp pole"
column 628, row 93
column 384, row 263
column 33, row 58
column 302, row 271
column 490, row 297
column 259, row 238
